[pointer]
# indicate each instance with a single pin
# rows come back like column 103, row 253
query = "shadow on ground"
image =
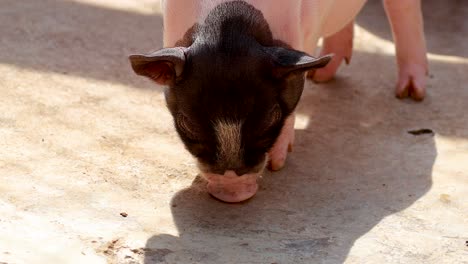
column 353, row 165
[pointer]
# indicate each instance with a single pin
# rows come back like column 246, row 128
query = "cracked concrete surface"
column 92, row 170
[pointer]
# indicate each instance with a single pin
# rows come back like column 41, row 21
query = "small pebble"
column 445, row 198
column 124, row 214
column 422, row 131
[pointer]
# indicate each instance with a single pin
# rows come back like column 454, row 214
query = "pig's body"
column 299, row 23
column 235, row 72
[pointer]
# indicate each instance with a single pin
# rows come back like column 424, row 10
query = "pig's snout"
column 230, row 187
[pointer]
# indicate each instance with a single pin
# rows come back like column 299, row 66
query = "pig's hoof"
column 327, row 73
column 340, row 45
column 411, row 83
column 278, row 157
column 231, row 188
column 277, row 164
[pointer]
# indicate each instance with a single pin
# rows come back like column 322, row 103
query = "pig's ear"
column 162, row 66
column 289, row 61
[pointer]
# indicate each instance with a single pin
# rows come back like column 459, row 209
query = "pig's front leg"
column 283, row 145
column 408, row 33
column 341, row 45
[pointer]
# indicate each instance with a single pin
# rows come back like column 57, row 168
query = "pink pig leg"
column 408, row 32
column 340, row 44
column 283, row 145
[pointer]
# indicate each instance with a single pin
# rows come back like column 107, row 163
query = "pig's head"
column 229, row 99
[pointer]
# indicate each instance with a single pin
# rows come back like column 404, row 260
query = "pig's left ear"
column 293, row 61
column 162, row 66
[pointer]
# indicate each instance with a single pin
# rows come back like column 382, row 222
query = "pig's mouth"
column 231, row 188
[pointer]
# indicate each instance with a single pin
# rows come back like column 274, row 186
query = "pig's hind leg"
column 408, row 33
column 341, row 45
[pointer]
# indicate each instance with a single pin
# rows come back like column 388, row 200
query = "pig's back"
column 295, row 21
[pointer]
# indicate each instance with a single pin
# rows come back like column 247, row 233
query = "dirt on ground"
column 92, row 170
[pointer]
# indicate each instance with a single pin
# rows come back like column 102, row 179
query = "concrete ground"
column 92, row 170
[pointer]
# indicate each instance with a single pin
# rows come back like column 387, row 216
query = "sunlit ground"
column 82, row 140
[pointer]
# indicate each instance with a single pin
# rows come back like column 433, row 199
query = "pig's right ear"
column 293, row 61
column 163, row 66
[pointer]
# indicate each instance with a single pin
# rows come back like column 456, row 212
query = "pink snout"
column 231, row 188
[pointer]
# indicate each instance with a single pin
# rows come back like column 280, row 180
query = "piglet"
column 235, row 71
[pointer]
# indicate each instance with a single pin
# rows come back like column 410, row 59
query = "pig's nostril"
column 234, row 172
column 230, row 173
column 247, row 170
column 240, row 172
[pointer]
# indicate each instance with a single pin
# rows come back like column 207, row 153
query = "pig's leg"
column 282, row 145
column 340, row 44
column 408, row 33
column 179, row 16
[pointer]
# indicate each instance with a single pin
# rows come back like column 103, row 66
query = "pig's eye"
column 269, row 129
column 273, row 117
column 186, row 127
column 276, row 114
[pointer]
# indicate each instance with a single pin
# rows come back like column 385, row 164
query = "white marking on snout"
column 228, row 135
